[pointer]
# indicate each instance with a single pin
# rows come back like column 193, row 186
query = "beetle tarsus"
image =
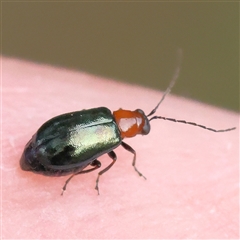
column 63, row 190
column 66, row 183
column 96, row 187
column 140, row 174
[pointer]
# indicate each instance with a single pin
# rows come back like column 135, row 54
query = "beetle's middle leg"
column 96, row 164
column 113, row 156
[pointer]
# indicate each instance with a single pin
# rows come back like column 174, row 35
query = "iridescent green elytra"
column 70, row 142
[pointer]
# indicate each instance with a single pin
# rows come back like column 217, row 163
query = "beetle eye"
column 146, row 127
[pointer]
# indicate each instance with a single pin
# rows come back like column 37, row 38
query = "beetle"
column 69, row 143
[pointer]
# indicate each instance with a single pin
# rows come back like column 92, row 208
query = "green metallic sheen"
column 70, row 142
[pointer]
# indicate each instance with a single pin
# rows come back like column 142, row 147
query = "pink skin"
column 192, row 174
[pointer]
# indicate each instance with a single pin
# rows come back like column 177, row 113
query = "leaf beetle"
column 69, row 143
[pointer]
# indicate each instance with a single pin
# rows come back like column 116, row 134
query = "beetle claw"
column 140, row 174
column 97, row 189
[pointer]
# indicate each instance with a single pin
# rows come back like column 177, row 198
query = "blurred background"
column 135, row 42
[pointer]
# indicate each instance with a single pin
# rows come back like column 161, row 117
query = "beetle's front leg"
column 96, row 164
column 130, row 149
column 113, row 156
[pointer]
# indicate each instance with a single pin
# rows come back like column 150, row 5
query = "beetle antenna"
column 174, row 79
column 192, row 123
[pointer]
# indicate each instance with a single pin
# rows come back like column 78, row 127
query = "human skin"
column 192, row 186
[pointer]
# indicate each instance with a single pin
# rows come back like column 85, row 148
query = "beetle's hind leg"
column 130, row 149
column 113, row 156
column 96, row 164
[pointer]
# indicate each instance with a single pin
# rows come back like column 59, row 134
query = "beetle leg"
column 113, row 156
column 130, row 149
column 96, row 164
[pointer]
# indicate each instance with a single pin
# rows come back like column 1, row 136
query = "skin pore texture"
column 192, row 186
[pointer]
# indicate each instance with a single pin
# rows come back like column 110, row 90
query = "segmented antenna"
column 174, row 79
column 192, row 123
